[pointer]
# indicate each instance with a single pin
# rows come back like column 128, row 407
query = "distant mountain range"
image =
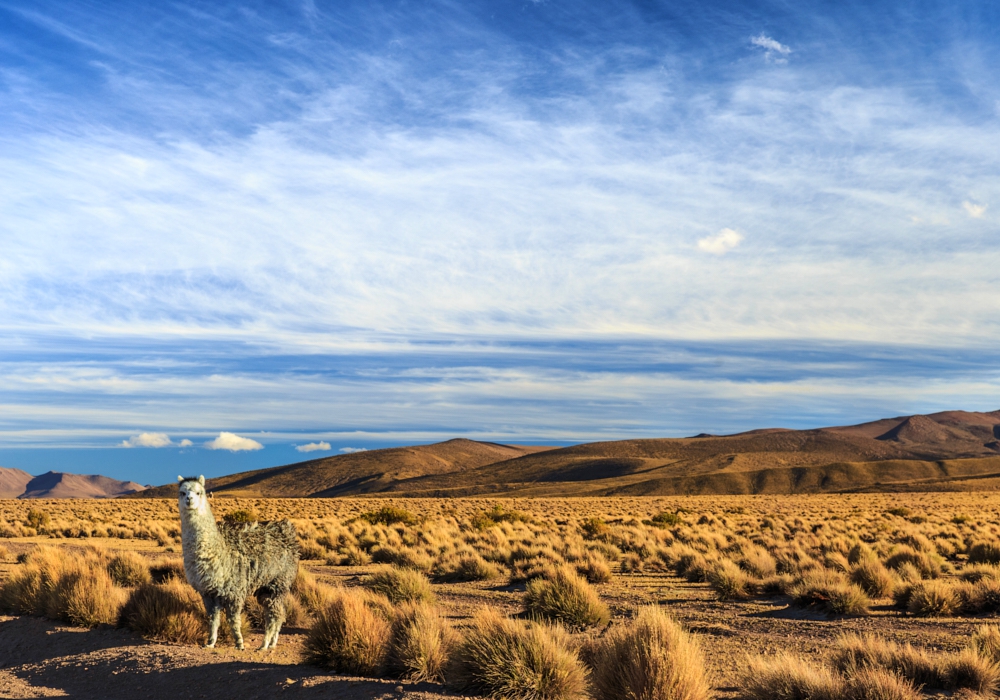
column 953, row 450
column 15, row 483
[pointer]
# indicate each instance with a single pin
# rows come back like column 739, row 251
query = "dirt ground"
column 40, row 658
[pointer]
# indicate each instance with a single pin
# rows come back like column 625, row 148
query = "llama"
column 226, row 563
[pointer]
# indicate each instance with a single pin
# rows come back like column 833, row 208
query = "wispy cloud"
column 351, row 450
column 771, row 47
column 233, row 443
column 313, row 447
column 976, row 211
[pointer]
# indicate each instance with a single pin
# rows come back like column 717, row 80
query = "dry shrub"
column 28, row 588
column 170, row 612
column 162, row 570
column 469, row 567
column 758, row 562
column 967, row 669
column 730, row 581
column 128, row 569
column 932, row 598
column 594, row 567
column 788, row 677
column 980, row 597
column 313, row 595
column 986, row 641
column 873, row 578
column 514, row 660
column 880, row 684
column 348, row 636
column 853, row 653
column 650, row 659
column 563, row 596
column 400, row 585
column 86, row 596
column 828, row 591
column 977, row 572
column 421, row 643
column 984, row 553
column 631, row 563
column 929, row 565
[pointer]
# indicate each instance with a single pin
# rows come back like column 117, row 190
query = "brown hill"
column 60, row 485
column 360, row 472
column 12, row 482
column 939, row 451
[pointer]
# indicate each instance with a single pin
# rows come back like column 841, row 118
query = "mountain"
column 17, row 484
column 12, row 482
column 952, row 450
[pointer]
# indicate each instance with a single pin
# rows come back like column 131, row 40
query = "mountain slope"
column 943, row 450
column 12, row 482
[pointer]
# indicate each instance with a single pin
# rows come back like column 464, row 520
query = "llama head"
column 192, row 493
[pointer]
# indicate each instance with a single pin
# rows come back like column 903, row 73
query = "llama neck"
column 199, row 532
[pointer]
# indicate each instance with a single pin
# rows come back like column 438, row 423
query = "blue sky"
column 364, row 224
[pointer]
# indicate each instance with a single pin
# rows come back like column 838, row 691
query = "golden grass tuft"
column 348, row 636
column 169, row 612
column 651, row 658
column 421, row 643
column 400, row 585
column 788, row 677
column 513, row 660
column 563, row 596
column 128, row 570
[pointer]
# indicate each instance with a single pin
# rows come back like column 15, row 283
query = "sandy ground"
column 40, row 658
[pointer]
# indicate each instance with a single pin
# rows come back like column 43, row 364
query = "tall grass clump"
column 880, row 684
column 348, row 636
column 128, row 570
column 170, row 612
column 986, row 641
column 730, row 581
column 788, row 677
column 829, row 592
column 421, row 642
column 651, row 658
column 871, row 576
column 513, row 660
column 87, row 597
column 400, row 585
column 564, row 596
column 466, row 567
column 389, row 515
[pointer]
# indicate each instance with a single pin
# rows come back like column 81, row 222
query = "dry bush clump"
column 650, row 658
column 514, row 660
column 400, row 585
column 170, row 612
column 986, row 641
column 788, row 677
column 467, row 567
column 829, row 592
column 871, row 576
column 348, row 636
column 421, row 642
column 129, row 570
column 564, row 596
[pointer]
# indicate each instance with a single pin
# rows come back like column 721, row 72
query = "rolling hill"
column 941, row 451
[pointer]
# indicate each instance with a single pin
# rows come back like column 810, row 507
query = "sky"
column 235, row 235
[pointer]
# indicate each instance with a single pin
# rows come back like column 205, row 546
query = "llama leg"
column 214, row 609
column 234, row 611
column 274, row 609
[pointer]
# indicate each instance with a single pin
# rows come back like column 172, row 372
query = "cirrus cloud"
column 233, row 443
column 313, row 447
column 148, row 440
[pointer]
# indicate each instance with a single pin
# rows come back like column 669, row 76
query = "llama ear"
column 180, row 479
column 201, row 480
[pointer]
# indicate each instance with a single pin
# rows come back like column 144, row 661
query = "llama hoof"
column 209, row 646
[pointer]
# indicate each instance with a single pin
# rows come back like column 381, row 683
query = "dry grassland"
column 850, row 596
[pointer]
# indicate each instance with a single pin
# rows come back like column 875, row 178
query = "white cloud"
column 722, row 242
column 974, row 210
column 771, row 47
column 186, row 443
column 233, row 443
column 351, row 450
column 313, row 447
column 148, row 440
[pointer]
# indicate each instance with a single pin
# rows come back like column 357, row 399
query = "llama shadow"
column 42, row 657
